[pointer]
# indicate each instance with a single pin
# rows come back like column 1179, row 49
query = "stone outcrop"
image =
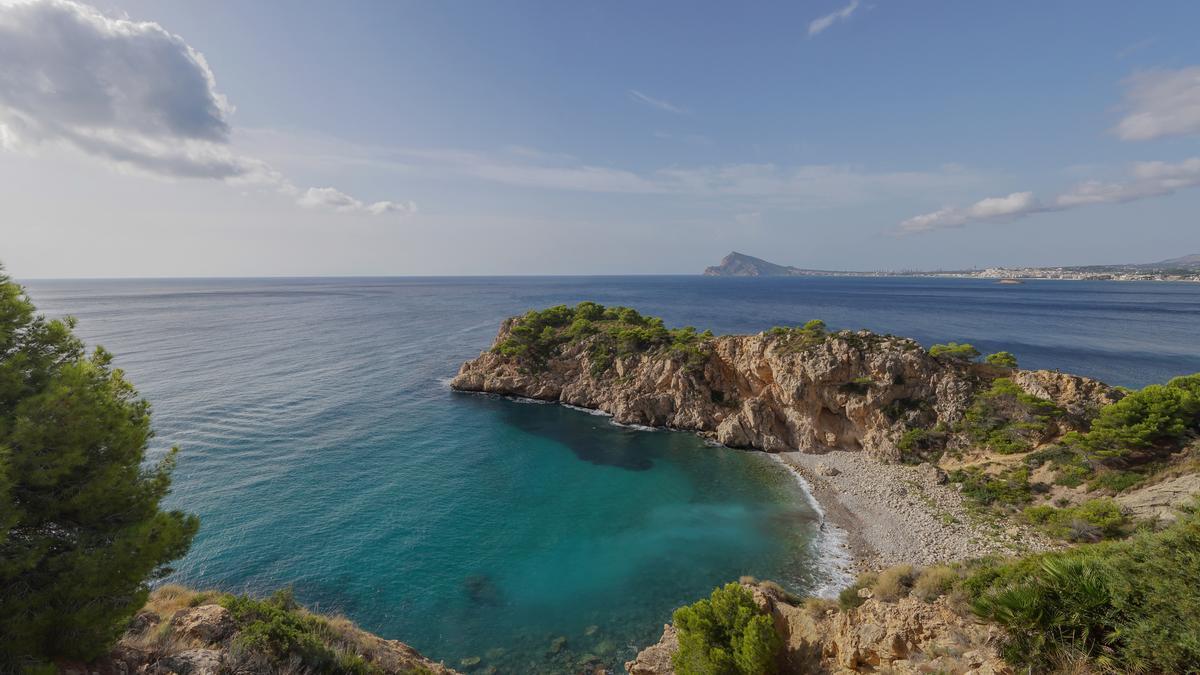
column 850, row 391
column 904, row 637
column 201, row 640
column 656, row 659
column 1163, row 500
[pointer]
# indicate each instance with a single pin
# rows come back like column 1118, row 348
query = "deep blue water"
column 322, row 448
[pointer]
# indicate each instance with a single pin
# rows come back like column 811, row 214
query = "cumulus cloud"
column 658, row 103
column 819, row 24
column 336, row 200
column 1146, row 179
column 129, row 93
column 1161, row 103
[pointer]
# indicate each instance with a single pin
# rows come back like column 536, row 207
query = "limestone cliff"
column 774, row 391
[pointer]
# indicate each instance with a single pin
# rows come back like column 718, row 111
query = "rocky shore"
column 895, row 513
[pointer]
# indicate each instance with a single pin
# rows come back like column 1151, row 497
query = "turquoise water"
column 322, row 448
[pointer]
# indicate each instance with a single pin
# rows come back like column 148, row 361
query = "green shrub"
column 1002, row 359
column 921, row 445
column 1092, row 520
column 1007, row 420
column 726, row 634
column 614, row 332
column 280, row 630
column 1130, row 606
column 1157, row 416
column 956, row 351
column 800, row 338
column 1115, row 481
column 1009, row 488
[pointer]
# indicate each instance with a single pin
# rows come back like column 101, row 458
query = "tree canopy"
column 81, row 529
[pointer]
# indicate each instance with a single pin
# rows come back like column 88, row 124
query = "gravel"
column 896, row 513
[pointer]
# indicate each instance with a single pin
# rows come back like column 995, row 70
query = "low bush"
column 800, row 338
column 922, row 445
column 282, row 632
column 1002, row 359
column 934, row 582
column 1090, row 521
column 849, row 598
column 1009, row 488
column 817, row 608
column 955, row 351
column 894, row 583
column 613, row 331
column 726, row 634
column 1007, row 420
column 1128, row 606
column 1159, row 416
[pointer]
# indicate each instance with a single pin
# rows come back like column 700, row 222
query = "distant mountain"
column 1182, row 262
column 741, row 265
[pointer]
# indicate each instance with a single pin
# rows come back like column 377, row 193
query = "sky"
column 160, row 138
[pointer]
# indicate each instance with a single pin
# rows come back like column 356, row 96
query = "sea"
column 323, row 450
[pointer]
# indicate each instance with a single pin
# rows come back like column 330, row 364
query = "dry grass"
column 817, row 608
column 779, row 592
column 934, row 582
column 894, row 583
column 165, row 600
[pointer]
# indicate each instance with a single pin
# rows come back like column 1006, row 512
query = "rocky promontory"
column 787, row 389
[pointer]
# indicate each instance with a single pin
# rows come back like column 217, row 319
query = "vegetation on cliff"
column 1129, row 606
column 726, row 634
column 611, row 333
column 81, row 529
column 180, row 629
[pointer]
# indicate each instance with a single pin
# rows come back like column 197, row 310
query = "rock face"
column 656, row 658
column 852, row 391
column 1161, row 500
column 908, row 636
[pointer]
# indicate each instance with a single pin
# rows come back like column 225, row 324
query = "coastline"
column 873, row 514
column 902, row 514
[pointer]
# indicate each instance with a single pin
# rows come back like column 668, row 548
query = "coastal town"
column 1186, row 268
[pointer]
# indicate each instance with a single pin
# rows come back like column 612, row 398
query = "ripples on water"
column 321, row 447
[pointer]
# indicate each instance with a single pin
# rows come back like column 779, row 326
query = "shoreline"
column 874, row 515
column 896, row 514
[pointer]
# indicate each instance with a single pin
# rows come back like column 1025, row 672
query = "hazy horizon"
column 150, row 139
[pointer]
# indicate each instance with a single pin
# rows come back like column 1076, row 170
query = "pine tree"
column 81, row 531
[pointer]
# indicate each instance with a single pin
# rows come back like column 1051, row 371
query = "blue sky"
column 523, row 138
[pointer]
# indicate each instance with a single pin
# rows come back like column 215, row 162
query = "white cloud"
column 658, row 103
column 336, row 200
column 818, row 25
column 1161, row 103
column 1014, row 205
column 128, row 93
column 1147, row 179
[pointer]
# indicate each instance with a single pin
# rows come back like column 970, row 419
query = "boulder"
column 206, row 624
